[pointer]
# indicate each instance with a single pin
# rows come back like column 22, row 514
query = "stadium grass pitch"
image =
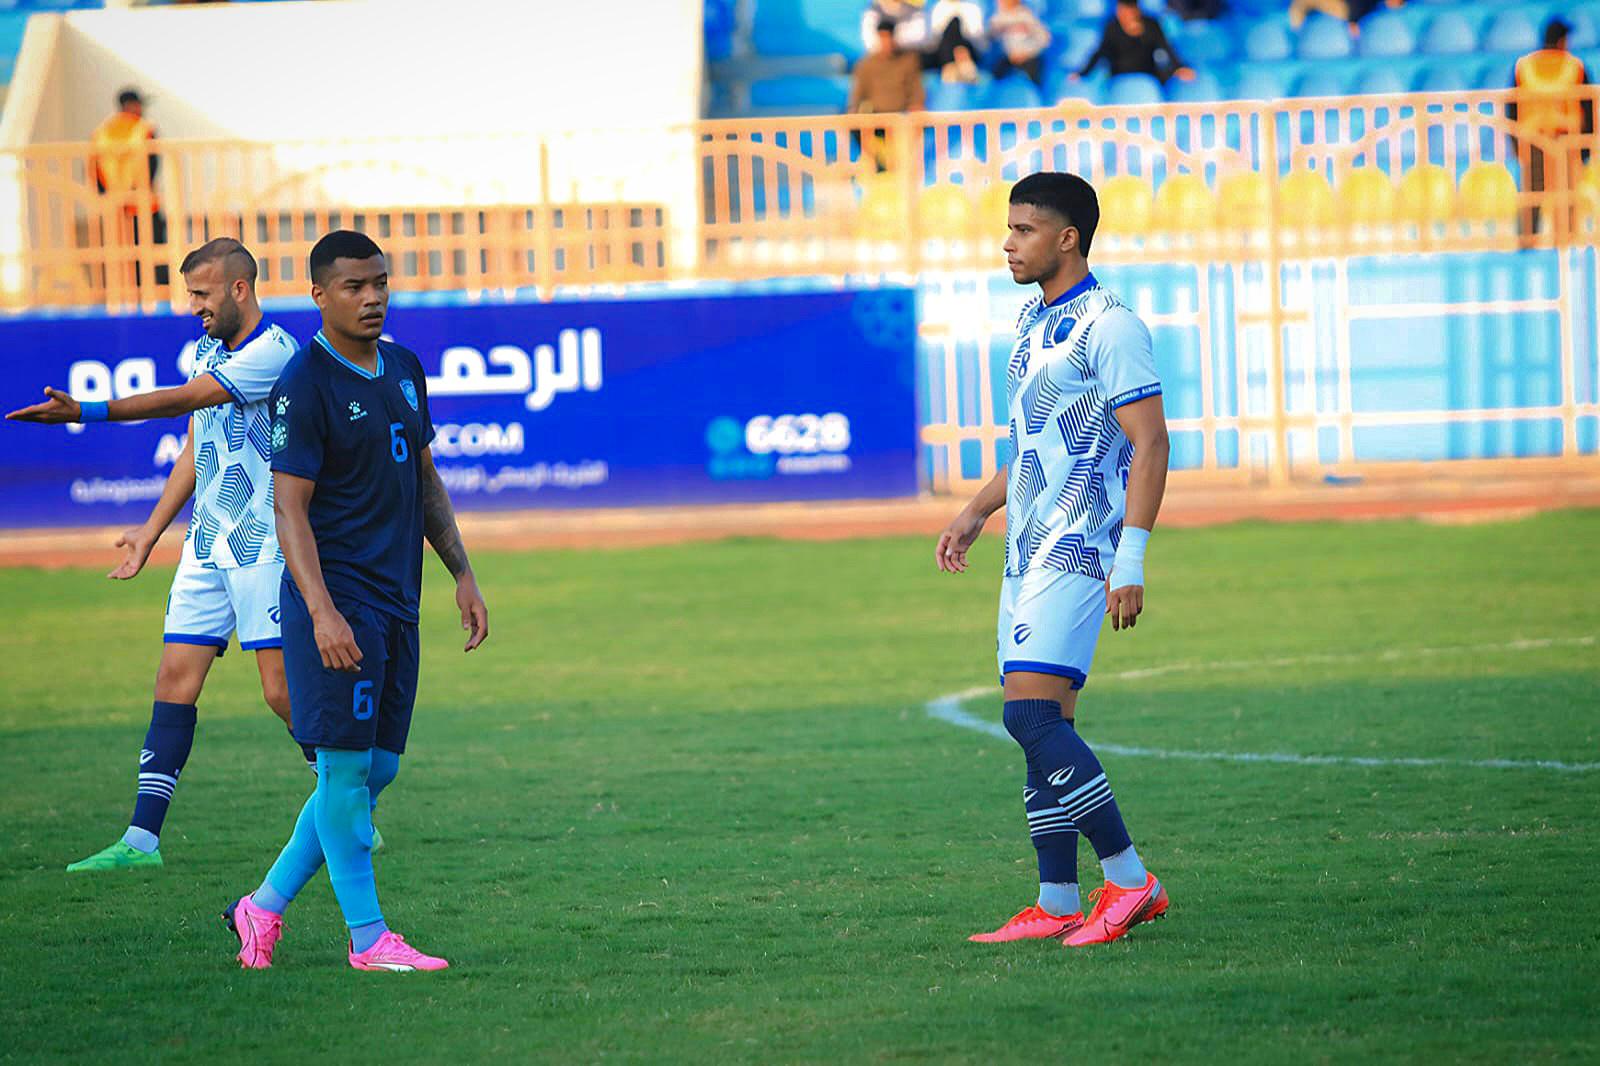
column 687, row 805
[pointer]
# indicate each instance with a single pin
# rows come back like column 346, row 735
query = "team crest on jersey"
column 409, row 391
column 280, row 435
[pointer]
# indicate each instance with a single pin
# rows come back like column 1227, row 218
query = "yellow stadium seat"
column 1184, row 202
column 944, row 211
column 1427, row 194
column 1125, row 205
column 1244, row 201
column 1306, row 199
column 994, row 206
column 883, row 214
column 1366, row 195
column 1488, row 191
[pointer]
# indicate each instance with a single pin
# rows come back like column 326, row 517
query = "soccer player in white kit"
column 227, row 580
column 1088, row 469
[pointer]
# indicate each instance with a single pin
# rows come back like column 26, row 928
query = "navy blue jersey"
column 360, row 437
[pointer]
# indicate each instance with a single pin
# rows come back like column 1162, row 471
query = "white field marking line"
column 1392, row 655
column 948, row 709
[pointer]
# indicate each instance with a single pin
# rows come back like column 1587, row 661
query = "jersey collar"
column 1079, row 289
column 261, row 327
column 369, row 375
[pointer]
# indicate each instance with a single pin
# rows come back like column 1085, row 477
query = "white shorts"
column 207, row 606
column 1049, row 624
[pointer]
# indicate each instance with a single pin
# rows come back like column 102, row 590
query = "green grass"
column 686, row 805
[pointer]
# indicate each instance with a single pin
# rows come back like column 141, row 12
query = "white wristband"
column 1128, row 568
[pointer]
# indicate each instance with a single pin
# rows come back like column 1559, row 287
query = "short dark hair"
column 340, row 244
column 129, row 96
column 886, row 25
column 236, row 260
column 1067, row 195
column 1127, row 3
column 1556, row 31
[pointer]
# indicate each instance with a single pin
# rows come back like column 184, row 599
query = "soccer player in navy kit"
column 356, row 492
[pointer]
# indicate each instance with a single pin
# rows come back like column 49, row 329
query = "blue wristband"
column 94, row 411
column 1128, row 567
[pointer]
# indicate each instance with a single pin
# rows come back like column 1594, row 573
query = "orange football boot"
column 1116, row 910
column 1031, row 923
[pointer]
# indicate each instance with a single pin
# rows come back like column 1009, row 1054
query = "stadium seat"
column 1306, row 199
column 1184, row 202
column 1387, row 33
column 1097, row 10
column 1488, row 191
column 1511, row 31
column 1381, row 81
column 1427, row 193
column 1204, row 42
column 1126, row 206
column 1260, row 82
column 1244, row 201
column 945, row 211
column 1268, row 41
column 1448, row 34
column 1444, row 78
column 1322, row 81
column 1585, row 32
column 1323, row 37
column 993, row 207
column 1125, row 89
column 882, row 213
column 1203, row 88
column 1011, row 94
column 806, row 27
column 1366, row 195
column 1073, row 45
column 951, row 96
column 801, row 94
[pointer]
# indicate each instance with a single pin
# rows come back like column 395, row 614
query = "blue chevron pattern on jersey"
column 1076, row 496
column 205, row 527
column 1070, row 553
column 234, row 495
column 1029, row 537
column 247, row 539
column 1082, row 423
column 1038, row 400
column 205, row 467
column 1030, row 479
column 238, row 428
column 261, row 437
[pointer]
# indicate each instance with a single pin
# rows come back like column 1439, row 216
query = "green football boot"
column 119, row 856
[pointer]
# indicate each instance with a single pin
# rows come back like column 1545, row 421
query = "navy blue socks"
column 166, row 749
column 1055, row 839
column 1069, row 772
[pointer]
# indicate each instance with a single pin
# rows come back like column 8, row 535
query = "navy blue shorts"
column 353, row 711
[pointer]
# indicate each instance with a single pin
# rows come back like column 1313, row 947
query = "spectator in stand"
column 125, row 165
column 1351, row 11
column 1022, row 39
column 957, row 36
column 908, row 18
column 1554, row 124
column 1195, row 9
column 1133, row 44
column 886, row 80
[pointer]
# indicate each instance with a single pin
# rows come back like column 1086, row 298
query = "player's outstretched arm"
column 439, row 526
column 1145, row 424
column 291, row 507
column 950, row 554
column 140, row 541
column 200, row 392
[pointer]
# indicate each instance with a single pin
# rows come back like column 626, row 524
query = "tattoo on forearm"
column 439, row 525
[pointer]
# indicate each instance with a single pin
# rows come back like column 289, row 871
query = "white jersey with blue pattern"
column 1075, row 362
column 232, row 524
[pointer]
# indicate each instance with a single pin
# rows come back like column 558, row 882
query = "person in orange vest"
column 1553, row 123
column 125, row 168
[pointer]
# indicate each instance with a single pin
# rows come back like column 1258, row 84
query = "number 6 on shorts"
column 361, row 701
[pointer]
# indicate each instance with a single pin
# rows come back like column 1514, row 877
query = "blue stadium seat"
column 951, row 96
column 1449, row 34
column 1387, row 33
column 1084, row 10
column 1585, row 30
column 1205, row 42
column 1072, row 45
column 807, row 27
column 1260, row 83
column 1324, row 38
column 1445, row 78
column 1381, row 80
column 802, row 94
column 1012, row 93
column 1511, row 31
column 1498, row 75
column 1088, row 89
column 1323, row 81
column 1203, row 89
column 1257, row 7
column 1125, row 89
column 1268, row 40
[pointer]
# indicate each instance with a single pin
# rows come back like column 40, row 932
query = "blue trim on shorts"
column 257, row 645
column 1028, row 666
column 225, row 383
column 220, row 643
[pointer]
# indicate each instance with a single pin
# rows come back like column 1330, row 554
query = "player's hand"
column 1124, row 605
column 137, row 543
column 951, row 553
column 337, row 642
column 474, row 612
column 57, row 409
column 1184, row 73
